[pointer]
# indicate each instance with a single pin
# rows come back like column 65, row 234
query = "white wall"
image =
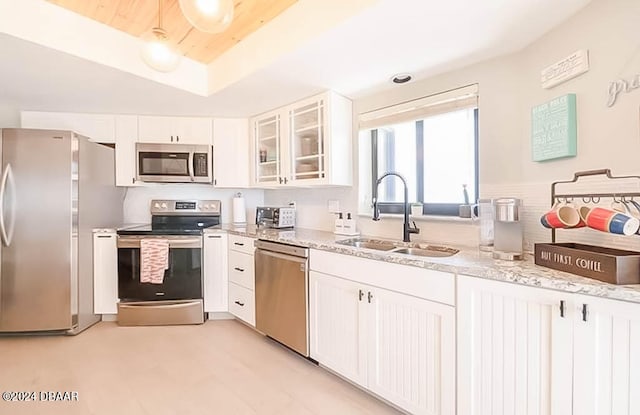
column 509, row 87
column 138, row 200
column 9, row 116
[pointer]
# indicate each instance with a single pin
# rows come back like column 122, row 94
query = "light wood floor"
column 221, row 367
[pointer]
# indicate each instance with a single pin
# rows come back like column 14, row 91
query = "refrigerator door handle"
column 7, row 179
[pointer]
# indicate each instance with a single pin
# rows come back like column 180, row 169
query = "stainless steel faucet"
column 407, row 229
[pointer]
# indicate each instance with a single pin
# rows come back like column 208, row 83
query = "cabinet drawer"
column 241, row 269
column 242, row 303
column 241, row 244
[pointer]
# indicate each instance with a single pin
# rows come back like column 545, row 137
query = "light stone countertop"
column 468, row 261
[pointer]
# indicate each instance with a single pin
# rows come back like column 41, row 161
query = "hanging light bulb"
column 211, row 16
column 157, row 52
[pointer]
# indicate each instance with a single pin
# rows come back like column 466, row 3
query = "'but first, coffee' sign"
column 614, row 266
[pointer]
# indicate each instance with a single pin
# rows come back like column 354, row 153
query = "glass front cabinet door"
column 307, row 155
column 267, row 146
column 306, row 143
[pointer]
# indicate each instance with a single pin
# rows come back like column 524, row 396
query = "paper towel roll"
column 239, row 211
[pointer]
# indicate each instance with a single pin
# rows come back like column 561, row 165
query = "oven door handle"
column 158, row 304
column 134, row 242
column 191, row 166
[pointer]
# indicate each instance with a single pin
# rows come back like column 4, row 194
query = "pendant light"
column 210, row 16
column 157, row 52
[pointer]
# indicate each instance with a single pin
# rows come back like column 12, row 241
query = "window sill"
column 421, row 218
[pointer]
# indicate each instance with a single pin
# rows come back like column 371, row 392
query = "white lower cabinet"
column 411, row 351
column 606, row 356
column 241, row 276
column 514, row 349
column 215, row 271
column 242, row 303
column 396, row 345
column 105, row 272
column 337, row 326
column 526, row 350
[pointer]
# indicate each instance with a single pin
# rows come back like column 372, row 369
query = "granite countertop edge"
column 469, row 262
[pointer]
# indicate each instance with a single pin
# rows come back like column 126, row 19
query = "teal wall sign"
column 554, row 129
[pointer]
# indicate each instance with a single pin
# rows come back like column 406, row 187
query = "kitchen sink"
column 376, row 244
column 430, row 251
column 416, row 249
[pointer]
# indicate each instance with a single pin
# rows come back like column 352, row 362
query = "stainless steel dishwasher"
column 282, row 294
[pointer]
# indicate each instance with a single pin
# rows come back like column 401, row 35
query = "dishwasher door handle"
column 280, row 256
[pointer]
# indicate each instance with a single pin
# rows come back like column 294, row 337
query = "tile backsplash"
column 138, row 199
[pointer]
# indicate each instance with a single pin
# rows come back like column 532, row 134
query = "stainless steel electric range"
column 178, row 297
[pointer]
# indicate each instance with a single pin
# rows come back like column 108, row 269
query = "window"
column 433, row 144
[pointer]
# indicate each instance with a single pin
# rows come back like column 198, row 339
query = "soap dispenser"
column 339, row 226
column 349, row 225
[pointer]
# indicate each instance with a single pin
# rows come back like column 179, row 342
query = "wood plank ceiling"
column 137, row 17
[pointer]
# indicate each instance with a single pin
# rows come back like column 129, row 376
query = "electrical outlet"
column 333, row 206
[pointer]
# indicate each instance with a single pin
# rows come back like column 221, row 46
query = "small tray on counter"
column 614, row 266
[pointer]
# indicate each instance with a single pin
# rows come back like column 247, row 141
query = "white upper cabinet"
column 176, row 130
column 305, row 143
column 231, row 152
column 98, row 127
column 126, row 135
column 267, row 149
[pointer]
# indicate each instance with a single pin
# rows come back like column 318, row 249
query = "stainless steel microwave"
column 173, row 163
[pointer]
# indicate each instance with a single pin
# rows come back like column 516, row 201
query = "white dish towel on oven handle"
column 154, row 260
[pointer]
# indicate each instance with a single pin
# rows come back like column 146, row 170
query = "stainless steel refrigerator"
column 55, row 187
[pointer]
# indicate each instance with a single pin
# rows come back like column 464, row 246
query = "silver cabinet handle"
column 191, row 167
